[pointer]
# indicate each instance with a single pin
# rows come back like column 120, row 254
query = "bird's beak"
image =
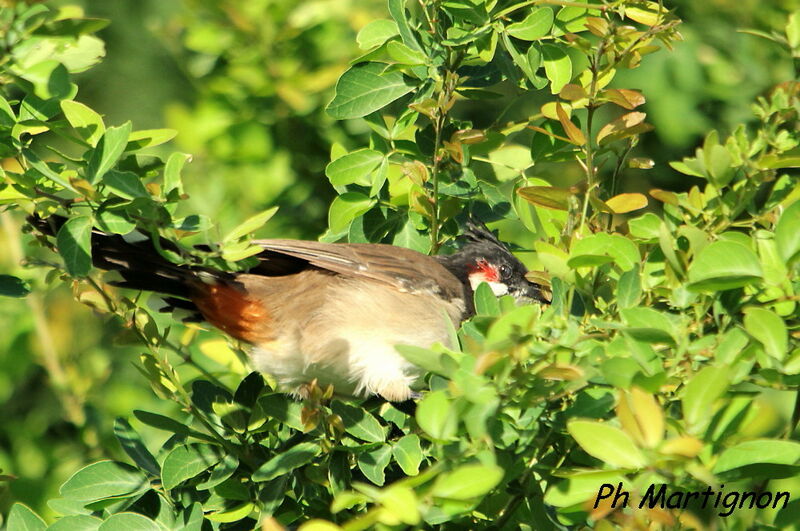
column 538, row 293
column 538, row 286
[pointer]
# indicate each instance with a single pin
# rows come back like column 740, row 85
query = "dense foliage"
column 669, row 354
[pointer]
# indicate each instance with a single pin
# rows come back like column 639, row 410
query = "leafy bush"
column 669, row 354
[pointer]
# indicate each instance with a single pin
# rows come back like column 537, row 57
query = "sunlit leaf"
column 723, row 265
column 534, row 26
column 103, row 479
column 701, row 392
column 547, row 196
column 607, row 443
column 557, row 66
column 624, row 203
column 365, row 88
column 767, row 327
column 108, row 151
column 467, row 481
column 787, row 235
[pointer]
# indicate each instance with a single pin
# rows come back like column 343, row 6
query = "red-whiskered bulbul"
column 330, row 311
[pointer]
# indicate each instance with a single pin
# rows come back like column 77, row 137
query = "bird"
column 330, row 312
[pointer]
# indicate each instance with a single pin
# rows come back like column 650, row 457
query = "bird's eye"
column 505, row 272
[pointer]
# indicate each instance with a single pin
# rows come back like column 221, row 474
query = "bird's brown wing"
column 402, row 268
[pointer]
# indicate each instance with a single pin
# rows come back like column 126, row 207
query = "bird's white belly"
column 350, row 342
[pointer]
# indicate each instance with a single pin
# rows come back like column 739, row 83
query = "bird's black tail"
column 137, row 261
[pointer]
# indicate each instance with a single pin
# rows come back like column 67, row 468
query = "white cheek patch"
column 498, row 288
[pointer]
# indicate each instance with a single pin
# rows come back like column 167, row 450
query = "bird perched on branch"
column 330, row 311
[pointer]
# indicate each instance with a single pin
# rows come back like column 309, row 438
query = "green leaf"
column 787, row 235
column 105, row 479
column 192, row 223
column 557, row 66
column 467, row 481
column 723, row 265
column 42, row 167
column 398, row 11
column 128, row 522
column 607, row 443
column 769, row 329
column 11, row 286
column 132, row 443
column 373, row 463
column 581, row 486
column 629, row 288
column 167, row 424
column 345, row 208
column 404, row 55
column 78, row 522
column 436, row 417
column 408, row 454
column 87, row 123
column 283, row 463
column 250, row 225
column 50, row 79
column 365, row 88
column 759, row 451
column 535, row 26
column 423, row 358
column 376, row 33
column 353, row 168
column 172, row 172
column 410, row 238
column 185, row 462
column 602, row 248
column 220, row 473
column 699, row 395
column 486, row 302
column 647, row 324
column 793, row 30
column 645, row 227
column 113, row 220
column 125, row 184
column 358, row 422
column 22, row 518
column 7, row 116
column 281, row 407
column 73, row 242
column 108, row 151
column 149, row 138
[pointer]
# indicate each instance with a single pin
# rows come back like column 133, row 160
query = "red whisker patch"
column 486, row 271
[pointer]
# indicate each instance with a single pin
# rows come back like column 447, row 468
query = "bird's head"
column 486, row 259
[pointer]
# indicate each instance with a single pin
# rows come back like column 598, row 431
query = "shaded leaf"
column 283, row 463
column 185, row 462
column 11, row 286
column 358, row 422
column 74, row 245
